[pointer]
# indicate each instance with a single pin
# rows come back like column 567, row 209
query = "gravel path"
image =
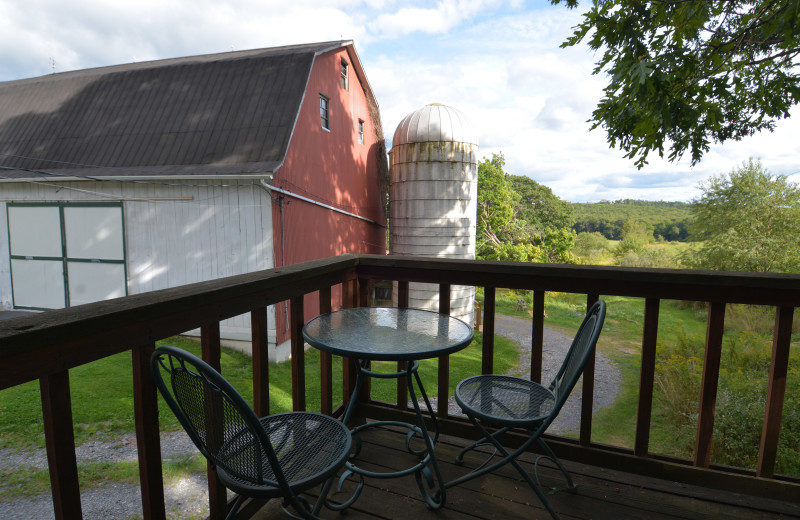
column 188, row 497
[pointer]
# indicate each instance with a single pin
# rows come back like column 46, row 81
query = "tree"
column 496, row 200
column 748, row 221
column 684, row 73
column 590, row 245
column 538, row 206
column 501, row 235
column 636, row 235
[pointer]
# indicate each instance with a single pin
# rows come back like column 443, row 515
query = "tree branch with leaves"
column 686, row 73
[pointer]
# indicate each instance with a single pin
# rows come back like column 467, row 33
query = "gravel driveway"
column 189, row 497
column 607, row 374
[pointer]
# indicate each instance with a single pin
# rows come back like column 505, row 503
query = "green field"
column 102, row 392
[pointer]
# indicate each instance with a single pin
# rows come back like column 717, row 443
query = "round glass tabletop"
column 387, row 333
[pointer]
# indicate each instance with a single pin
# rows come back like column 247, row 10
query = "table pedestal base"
column 426, row 471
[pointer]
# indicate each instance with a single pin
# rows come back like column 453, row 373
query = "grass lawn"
column 102, row 392
column 102, row 402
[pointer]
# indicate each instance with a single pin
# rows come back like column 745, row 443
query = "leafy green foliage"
column 741, row 399
column 635, row 237
column 520, row 227
column 538, row 206
column 748, row 221
column 653, row 256
column 589, row 244
column 669, row 220
column 496, row 200
column 684, row 74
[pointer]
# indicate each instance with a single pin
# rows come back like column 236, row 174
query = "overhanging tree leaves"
column 685, row 73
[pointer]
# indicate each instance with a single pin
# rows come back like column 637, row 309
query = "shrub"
column 589, row 244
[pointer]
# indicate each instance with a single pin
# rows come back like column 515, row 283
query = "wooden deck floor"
column 601, row 494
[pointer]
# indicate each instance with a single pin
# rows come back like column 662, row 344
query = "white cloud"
column 498, row 62
column 446, row 15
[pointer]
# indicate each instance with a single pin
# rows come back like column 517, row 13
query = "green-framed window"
column 66, row 253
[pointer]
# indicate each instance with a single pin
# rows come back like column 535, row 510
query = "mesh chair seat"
column 505, row 400
column 310, row 447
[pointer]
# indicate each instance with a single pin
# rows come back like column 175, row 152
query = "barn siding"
column 5, row 260
column 330, row 167
column 225, row 229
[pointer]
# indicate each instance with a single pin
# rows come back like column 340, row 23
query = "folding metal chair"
column 507, row 402
column 280, row 455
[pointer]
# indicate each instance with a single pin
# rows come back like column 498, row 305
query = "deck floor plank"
column 601, row 495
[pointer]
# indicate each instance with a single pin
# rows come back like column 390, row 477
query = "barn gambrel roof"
column 198, row 116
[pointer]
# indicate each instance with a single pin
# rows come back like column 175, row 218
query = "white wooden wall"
column 187, row 232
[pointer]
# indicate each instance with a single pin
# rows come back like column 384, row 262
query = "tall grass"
column 741, row 395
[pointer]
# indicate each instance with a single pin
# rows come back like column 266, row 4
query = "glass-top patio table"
column 367, row 334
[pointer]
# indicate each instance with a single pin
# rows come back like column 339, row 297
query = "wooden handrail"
column 47, row 345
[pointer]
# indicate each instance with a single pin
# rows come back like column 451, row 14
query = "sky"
column 498, row 62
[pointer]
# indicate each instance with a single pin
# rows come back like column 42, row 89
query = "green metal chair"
column 281, row 455
column 507, row 402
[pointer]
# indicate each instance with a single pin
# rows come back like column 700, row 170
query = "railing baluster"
column 60, row 443
column 212, row 354
column 362, row 297
column 647, row 377
column 349, row 293
column 402, row 294
column 402, row 384
column 298, row 356
column 709, row 384
column 325, row 360
column 587, row 391
column 364, row 292
column 781, row 340
column 260, row 354
column 537, row 336
column 487, row 361
column 444, row 361
column 148, row 440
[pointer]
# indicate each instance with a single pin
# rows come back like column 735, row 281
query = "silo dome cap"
column 435, row 123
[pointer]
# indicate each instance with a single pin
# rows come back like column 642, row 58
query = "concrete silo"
column 434, row 197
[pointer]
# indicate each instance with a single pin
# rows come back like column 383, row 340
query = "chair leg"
column 552, row 456
column 478, row 444
column 301, row 506
column 235, row 508
column 509, row 458
column 323, row 496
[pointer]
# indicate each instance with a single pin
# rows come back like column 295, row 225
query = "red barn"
column 132, row 178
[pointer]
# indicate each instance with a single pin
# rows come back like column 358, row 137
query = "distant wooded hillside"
column 669, row 220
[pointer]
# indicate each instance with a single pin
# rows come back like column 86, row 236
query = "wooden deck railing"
column 46, row 346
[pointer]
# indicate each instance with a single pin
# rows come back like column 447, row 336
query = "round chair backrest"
column 216, row 417
column 581, row 349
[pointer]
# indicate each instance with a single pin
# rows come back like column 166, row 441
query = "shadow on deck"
column 601, row 494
